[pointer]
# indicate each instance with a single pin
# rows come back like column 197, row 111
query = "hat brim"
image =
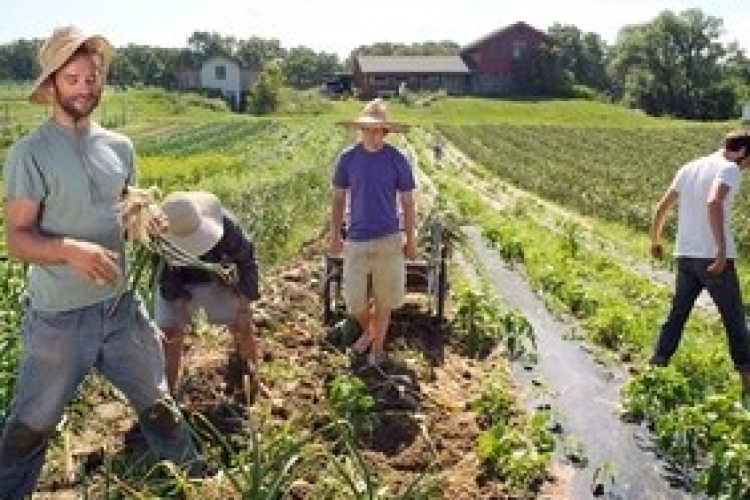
column 210, row 228
column 41, row 92
column 366, row 122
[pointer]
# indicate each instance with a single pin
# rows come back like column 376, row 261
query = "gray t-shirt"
column 77, row 177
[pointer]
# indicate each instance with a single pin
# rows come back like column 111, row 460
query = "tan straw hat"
column 195, row 220
column 57, row 50
column 375, row 115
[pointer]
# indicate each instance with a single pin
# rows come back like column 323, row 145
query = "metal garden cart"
column 426, row 275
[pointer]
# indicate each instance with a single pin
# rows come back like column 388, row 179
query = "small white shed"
column 223, row 74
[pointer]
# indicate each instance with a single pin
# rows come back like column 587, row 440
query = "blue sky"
column 338, row 26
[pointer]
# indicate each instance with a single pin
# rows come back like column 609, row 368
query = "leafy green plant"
column 495, row 404
column 519, row 337
column 477, row 322
column 510, row 453
column 654, row 392
column 610, row 327
column 350, row 401
column 482, row 321
column 571, row 239
column 510, row 247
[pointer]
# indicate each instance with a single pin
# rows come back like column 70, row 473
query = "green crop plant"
column 349, row 400
column 509, row 452
column 495, row 404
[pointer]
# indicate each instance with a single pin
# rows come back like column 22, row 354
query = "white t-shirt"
column 693, row 184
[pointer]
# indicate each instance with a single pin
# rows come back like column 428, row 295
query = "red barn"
column 485, row 67
column 493, row 58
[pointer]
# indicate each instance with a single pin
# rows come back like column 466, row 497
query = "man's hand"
column 718, row 265
column 410, row 249
column 336, row 246
column 657, row 251
column 92, row 261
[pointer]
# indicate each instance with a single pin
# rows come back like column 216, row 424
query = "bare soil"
column 422, row 394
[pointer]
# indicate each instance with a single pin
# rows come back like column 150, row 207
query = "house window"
column 221, row 72
column 378, row 80
column 519, row 48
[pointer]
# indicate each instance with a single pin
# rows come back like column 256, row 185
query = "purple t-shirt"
column 374, row 180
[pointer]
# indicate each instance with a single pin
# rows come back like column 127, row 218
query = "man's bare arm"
column 27, row 243
column 409, row 211
column 658, row 217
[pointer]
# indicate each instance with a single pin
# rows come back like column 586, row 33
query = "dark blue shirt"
column 234, row 247
column 373, row 180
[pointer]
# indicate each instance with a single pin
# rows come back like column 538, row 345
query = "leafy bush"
column 519, row 457
column 482, row 321
column 350, row 401
column 495, row 404
column 656, row 391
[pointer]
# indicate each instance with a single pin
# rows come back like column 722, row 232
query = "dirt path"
column 584, row 396
column 422, row 396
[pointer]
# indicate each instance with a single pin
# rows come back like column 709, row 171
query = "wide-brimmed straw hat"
column 375, row 115
column 195, row 220
column 57, row 50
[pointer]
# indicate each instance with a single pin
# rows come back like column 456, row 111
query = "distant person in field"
column 62, row 184
column 437, row 148
column 199, row 224
column 704, row 191
column 378, row 180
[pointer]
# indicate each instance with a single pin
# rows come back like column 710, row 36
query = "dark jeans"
column 724, row 289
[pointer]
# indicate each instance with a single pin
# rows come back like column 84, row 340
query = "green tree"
column 304, row 68
column 264, row 97
column 584, row 55
column 143, row 64
column 673, row 65
column 212, row 44
column 541, row 72
column 18, row 60
column 255, row 52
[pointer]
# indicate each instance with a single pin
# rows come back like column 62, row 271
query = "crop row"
column 609, row 173
column 692, row 406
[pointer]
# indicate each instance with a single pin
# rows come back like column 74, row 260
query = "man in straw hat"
column 62, row 183
column 200, row 225
column 377, row 179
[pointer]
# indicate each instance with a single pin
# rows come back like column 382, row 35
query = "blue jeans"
column 724, row 289
column 59, row 349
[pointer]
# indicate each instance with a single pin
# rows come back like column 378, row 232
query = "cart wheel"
column 331, row 293
column 326, row 294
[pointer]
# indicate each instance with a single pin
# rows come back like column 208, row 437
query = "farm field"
column 562, row 190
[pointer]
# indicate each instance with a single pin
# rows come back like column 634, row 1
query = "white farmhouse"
column 220, row 73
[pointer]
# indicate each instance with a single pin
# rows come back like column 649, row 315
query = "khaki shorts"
column 383, row 259
column 219, row 302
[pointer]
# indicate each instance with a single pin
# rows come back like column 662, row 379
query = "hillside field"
column 561, row 189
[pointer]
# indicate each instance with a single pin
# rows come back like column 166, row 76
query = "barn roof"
column 482, row 40
column 412, row 64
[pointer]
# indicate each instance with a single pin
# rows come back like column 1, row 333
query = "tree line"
column 672, row 65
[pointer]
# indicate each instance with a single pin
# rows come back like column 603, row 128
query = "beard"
column 75, row 110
